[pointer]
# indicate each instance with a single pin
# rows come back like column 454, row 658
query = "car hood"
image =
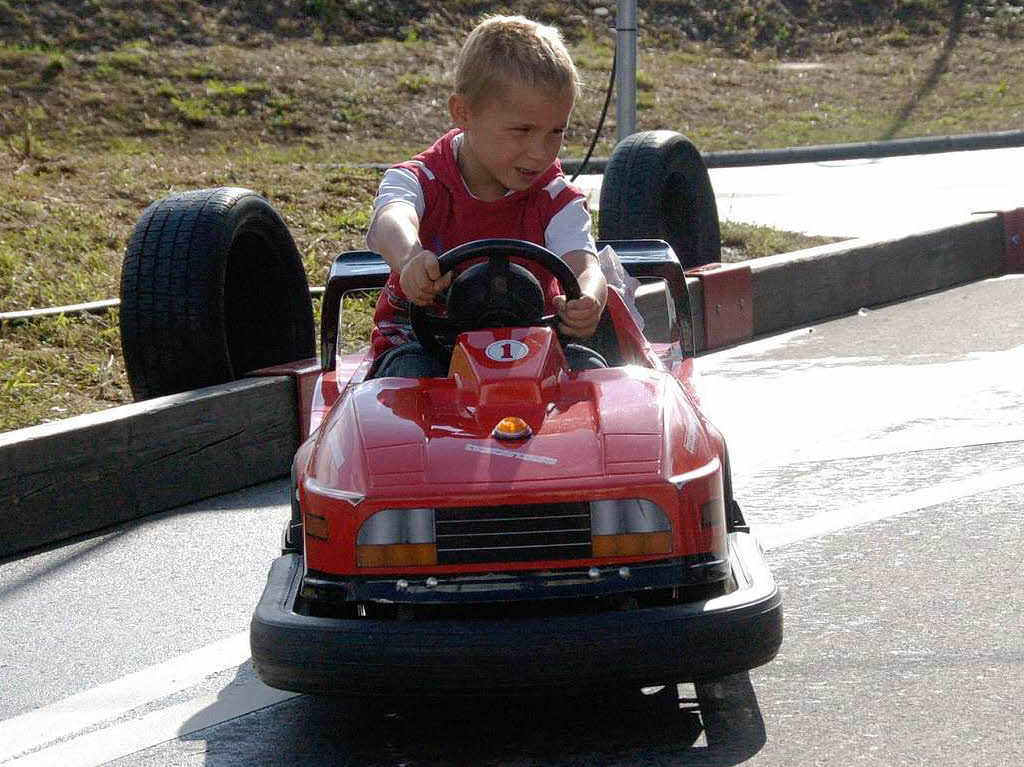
column 405, row 437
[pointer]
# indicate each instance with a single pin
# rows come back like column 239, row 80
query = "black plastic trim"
column 656, row 259
column 352, row 270
column 507, row 587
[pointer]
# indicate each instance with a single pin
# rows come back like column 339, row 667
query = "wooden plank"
column 82, row 474
column 807, row 286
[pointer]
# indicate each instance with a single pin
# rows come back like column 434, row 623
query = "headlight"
column 397, row 538
column 629, row 527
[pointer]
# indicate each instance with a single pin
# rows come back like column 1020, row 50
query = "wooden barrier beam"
column 82, row 474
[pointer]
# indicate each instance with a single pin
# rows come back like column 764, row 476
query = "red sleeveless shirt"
column 452, row 216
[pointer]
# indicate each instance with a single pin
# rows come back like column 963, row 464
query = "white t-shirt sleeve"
column 569, row 230
column 397, row 185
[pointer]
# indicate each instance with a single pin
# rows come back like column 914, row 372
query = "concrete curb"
column 82, row 474
column 832, row 280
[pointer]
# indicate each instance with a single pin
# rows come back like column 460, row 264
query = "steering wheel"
column 494, row 293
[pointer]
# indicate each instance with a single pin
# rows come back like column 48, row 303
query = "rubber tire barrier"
column 212, row 287
column 657, row 186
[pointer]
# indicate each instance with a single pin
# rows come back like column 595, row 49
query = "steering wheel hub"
column 478, row 300
column 494, row 293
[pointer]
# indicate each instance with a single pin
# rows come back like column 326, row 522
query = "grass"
column 88, row 138
column 742, row 241
column 54, row 368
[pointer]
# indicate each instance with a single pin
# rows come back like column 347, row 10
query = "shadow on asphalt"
column 62, row 553
column 623, row 728
column 33, row 569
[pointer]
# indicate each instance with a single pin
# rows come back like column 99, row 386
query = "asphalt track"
column 879, row 456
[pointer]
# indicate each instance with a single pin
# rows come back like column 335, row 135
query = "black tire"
column 212, row 287
column 730, row 714
column 656, row 185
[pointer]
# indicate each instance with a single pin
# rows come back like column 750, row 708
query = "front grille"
column 513, row 533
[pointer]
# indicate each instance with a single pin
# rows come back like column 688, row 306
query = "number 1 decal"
column 507, row 351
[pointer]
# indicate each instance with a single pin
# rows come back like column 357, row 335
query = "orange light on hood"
column 512, row 427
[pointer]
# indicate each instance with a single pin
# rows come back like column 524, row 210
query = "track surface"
column 880, row 458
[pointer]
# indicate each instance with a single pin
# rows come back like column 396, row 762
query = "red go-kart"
column 516, row 526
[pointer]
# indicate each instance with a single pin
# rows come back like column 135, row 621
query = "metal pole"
column 625, row 69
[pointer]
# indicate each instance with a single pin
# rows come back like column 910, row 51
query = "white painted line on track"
column 881, row 447
column 43, row 726
column 102, row 746
column 109, row 701
column 772, row 536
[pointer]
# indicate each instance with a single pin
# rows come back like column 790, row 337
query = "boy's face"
column 511, row 137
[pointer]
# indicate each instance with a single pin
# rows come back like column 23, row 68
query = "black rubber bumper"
column 687, row 642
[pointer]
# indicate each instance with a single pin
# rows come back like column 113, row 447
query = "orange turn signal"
column 396, row 555
column 316, row 526
column 512, row 427
column 631, row 544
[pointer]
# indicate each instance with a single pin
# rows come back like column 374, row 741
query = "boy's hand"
column 578, row 317
column 421, row 279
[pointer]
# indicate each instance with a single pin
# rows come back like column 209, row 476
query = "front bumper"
column 654, row 645
column 509, row 587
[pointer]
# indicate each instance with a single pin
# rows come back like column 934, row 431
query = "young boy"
column 495, row 175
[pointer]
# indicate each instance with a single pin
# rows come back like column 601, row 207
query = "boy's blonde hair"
column 504, row 48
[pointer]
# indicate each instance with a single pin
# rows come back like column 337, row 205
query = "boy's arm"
column 394, row 234
column 579, row 318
